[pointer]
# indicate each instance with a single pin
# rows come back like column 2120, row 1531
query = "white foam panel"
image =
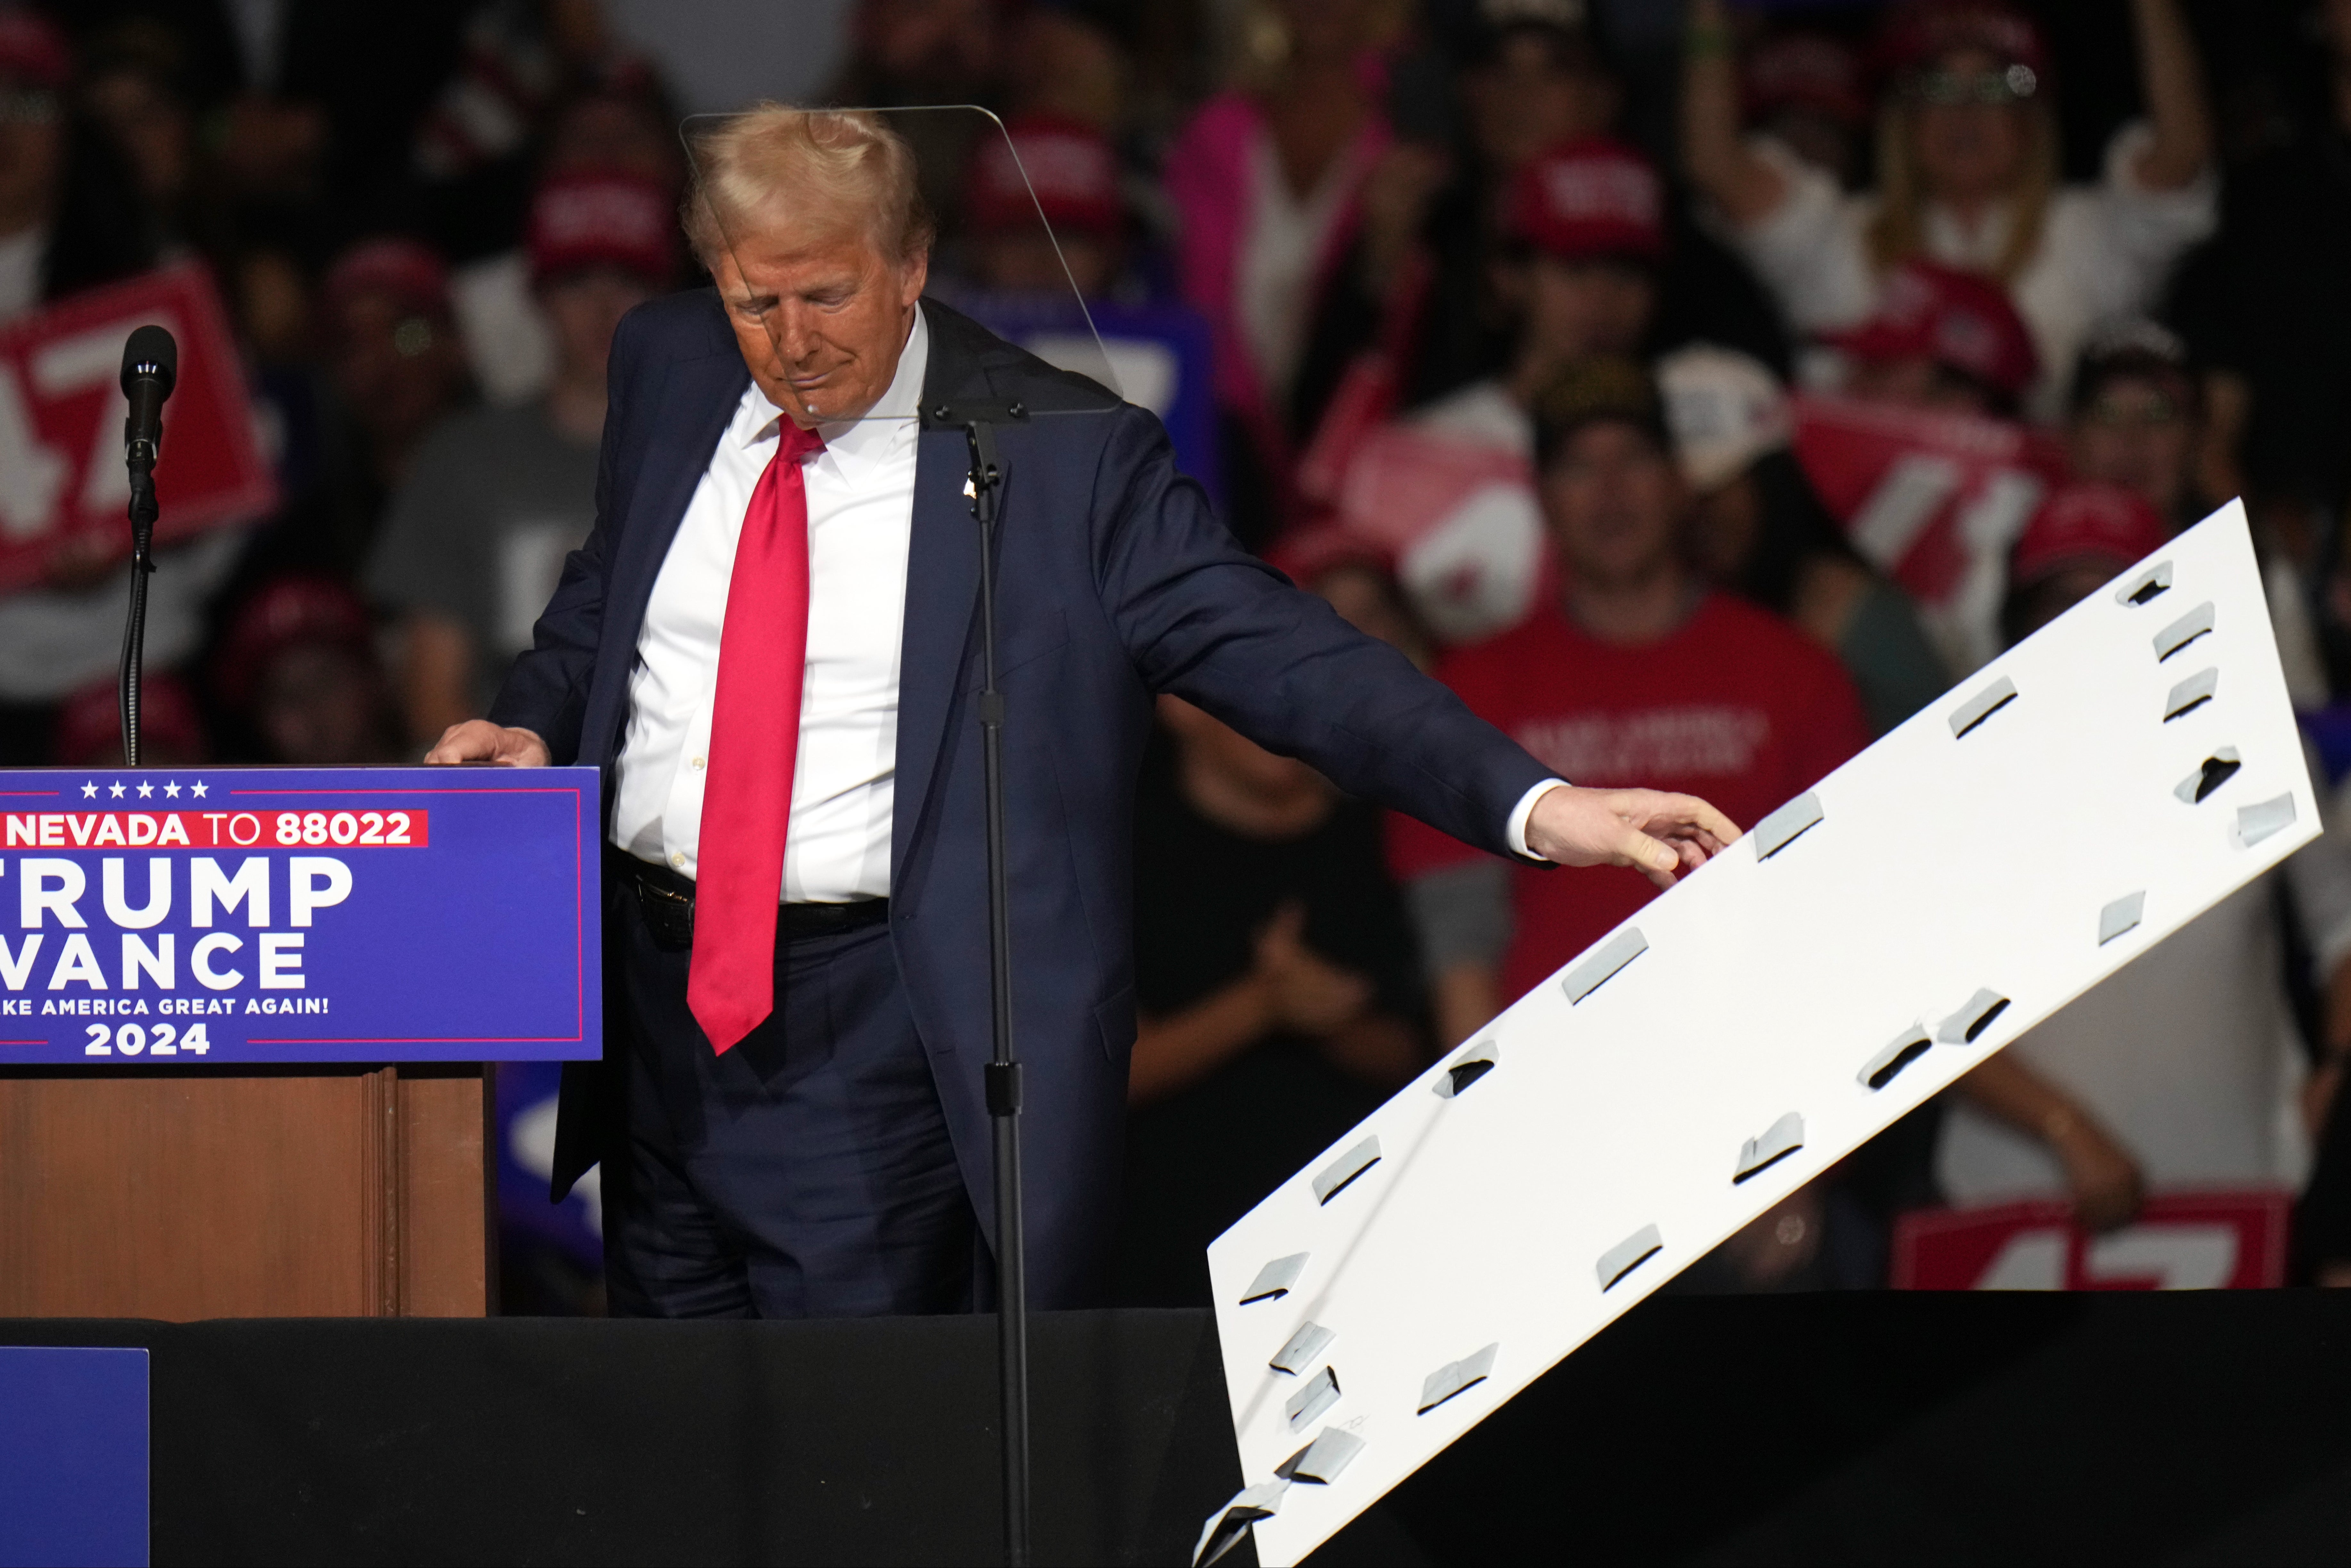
column 1484, row 1223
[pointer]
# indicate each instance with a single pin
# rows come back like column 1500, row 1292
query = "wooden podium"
column 316, row 1191
column 244, row 1018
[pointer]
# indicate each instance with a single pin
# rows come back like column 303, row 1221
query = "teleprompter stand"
column 977, row 419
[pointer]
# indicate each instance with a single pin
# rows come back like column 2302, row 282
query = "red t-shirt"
column 1736, row 706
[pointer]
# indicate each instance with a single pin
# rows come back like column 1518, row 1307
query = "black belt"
column 667, row 900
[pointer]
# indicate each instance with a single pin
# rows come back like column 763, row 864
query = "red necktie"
column 755, row 741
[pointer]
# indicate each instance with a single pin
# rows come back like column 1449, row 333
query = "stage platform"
column 2188, row 1428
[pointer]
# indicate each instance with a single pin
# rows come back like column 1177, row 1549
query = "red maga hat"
column 1918, row 34
column 409, row 271
column 1806, row 70
column 288, row 611
column 1958, row 319
column 1070, row 166
column 90, row 722
column 602, row 218
column 2085, row 525
column 1585, row 200
column 32, row 50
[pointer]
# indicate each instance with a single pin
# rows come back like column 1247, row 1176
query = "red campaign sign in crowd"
column 61, row 413
column 2180, row 1241
column 1934, row 500
column 1459, row 520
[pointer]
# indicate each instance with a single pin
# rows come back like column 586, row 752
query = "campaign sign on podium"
column 250, row 915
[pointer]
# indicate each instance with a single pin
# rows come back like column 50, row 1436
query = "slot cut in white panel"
column 2018, row 858
column 1321, row 1461
column 2191, row 694
column 1602, row 966
column 1457, row 1377
column 1305, row 1347
column 1972, row 713
column 1785, row 826
column 1319, row 1393
column 1628, row 1255
column 1275, row 1279
column 2141, row 587
column 1470, row 1064
column 2196, row 623
column 1341, row 1173
column 2120, row 916
column 1963, row 1027
column 1758, row 1155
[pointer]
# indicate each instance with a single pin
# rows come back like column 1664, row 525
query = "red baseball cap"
column 292, row 609
column 1585, row 200
column 90, row 721
column 409, row 271
column 1958, row 319
column 1069, row 164
column 602, row 218
column 2085, row 525
column 1806, row 70
column 32, row 51
column 1918, row 34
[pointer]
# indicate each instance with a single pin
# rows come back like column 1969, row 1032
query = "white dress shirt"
column 861, row 505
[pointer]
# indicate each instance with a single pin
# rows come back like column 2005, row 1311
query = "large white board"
column 1966, row 877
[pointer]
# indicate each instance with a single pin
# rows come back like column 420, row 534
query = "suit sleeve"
column 547, row 690
column 1203, row 619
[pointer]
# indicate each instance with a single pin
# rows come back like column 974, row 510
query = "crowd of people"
column 1700, row 390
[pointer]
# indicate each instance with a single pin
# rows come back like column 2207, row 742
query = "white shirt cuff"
column 1515, row 833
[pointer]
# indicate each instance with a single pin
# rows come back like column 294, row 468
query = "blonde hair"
column 773, row 160
column 1897, row 232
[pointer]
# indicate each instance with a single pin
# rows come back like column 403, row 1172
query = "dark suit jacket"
column 1116, row 582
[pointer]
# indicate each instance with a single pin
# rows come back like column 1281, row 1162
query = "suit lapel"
column 942, row 588
column 942, row 596
column 704, row 390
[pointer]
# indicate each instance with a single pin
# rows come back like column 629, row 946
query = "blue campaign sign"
column 247, row 914
column 73, row 1457
column 1158, row 351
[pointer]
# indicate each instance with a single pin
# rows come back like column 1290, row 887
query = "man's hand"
column 1659, row 834
column 480, row 741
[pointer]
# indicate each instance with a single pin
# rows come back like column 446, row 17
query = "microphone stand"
column 978, row 421
column 143, row 512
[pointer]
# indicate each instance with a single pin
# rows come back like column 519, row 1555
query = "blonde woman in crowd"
column 1969, row 175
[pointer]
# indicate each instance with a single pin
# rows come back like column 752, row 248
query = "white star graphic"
column 197, row 789
column 115, row 789
column 172, row 789
column 145, row 789
column 90, row 791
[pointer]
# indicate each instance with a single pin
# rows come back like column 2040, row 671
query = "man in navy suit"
column 790, row 1111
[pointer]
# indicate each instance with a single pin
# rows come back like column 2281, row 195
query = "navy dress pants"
column 805, row 1173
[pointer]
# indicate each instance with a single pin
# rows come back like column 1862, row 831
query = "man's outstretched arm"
column 1206, row 620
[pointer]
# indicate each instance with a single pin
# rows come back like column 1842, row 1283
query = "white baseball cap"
column 1724, row 409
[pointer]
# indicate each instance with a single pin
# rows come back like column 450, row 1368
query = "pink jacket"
column 1209, row 178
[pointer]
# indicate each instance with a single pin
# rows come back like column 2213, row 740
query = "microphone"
column 151, row 367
